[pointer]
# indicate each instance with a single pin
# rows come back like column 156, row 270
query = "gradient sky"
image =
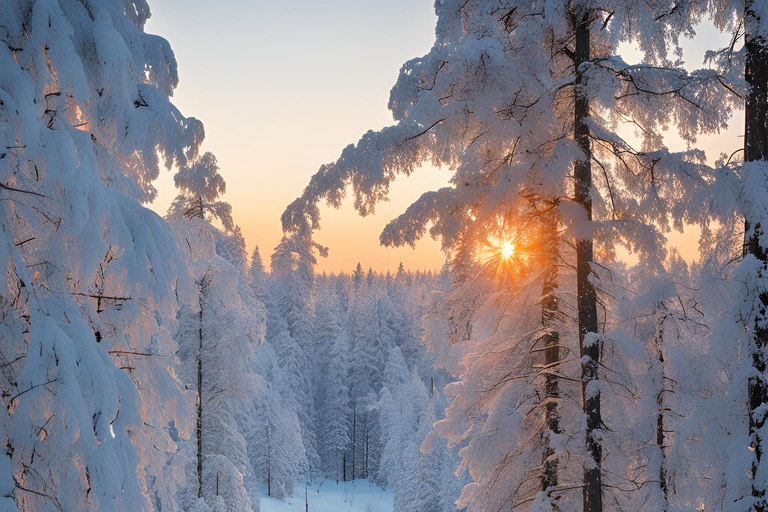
column 283, row 87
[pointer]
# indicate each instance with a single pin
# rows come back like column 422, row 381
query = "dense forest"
column 153, row 363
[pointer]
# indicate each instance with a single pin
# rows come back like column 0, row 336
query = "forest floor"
column 328, row 496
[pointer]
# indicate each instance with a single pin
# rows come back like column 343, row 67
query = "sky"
column 283, row 87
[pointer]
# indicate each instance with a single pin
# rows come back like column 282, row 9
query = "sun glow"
column 503, row 252
column 505, row 245
column 507, row 249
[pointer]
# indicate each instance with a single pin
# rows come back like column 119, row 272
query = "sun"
column 507, row 249
column 504, row 252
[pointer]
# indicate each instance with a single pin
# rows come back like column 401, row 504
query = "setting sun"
column 507, row 249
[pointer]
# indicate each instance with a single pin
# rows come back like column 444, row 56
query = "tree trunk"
column 551, row 339
column 756, row 148
column 661, row 407
column 269, row 465
column 200, row 209
column 586, row 297
column 200, row 405
column 365, row 446
column 354, row 439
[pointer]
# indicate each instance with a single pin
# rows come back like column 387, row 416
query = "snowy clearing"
column 328, row 496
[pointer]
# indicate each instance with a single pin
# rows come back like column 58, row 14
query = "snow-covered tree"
column 93, row 280
column 524, row 99
column 438, row 485
column 293, row 279
column 200, row 186
column 275, row 445
column 739, row 193
column 257, row 275
column 368, row 347
column 218, row 337
column 332, row 384
column 753, row 175
column 415, row 464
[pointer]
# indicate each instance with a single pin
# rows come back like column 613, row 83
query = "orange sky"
column 283, row 87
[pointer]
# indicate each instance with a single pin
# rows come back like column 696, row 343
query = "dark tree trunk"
column 269, row 466
column 200, row 405
column 661, row 408
column 365, row 446
column 586, row 297
column 354, row 439
column 551, row 340
column 756, row 148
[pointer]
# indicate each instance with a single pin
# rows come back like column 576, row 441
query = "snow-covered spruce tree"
column 257, row 276
column 414, row 462
column 332, row 383
column 402, row 412
column 279, row 457
column 399, row 293
column 367, row 356
column 92, row 278
column 520, row 98
column 439, row 486
column 409, row 301
column 661, row 330
column 231, row 246
column 218, row 336
column 293, row 275
column 370, row 340
column 275, row 446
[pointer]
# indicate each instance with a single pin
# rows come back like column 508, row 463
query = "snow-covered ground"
column 328, row 496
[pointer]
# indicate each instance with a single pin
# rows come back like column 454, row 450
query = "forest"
column 566, row 357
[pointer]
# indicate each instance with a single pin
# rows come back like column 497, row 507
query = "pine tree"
column 357, row 276
column 404, row 418
column 257, row 275
column 580, row 18
column 293, row 271
column 332, row 401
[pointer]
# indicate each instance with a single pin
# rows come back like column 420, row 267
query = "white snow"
column 328, row 496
